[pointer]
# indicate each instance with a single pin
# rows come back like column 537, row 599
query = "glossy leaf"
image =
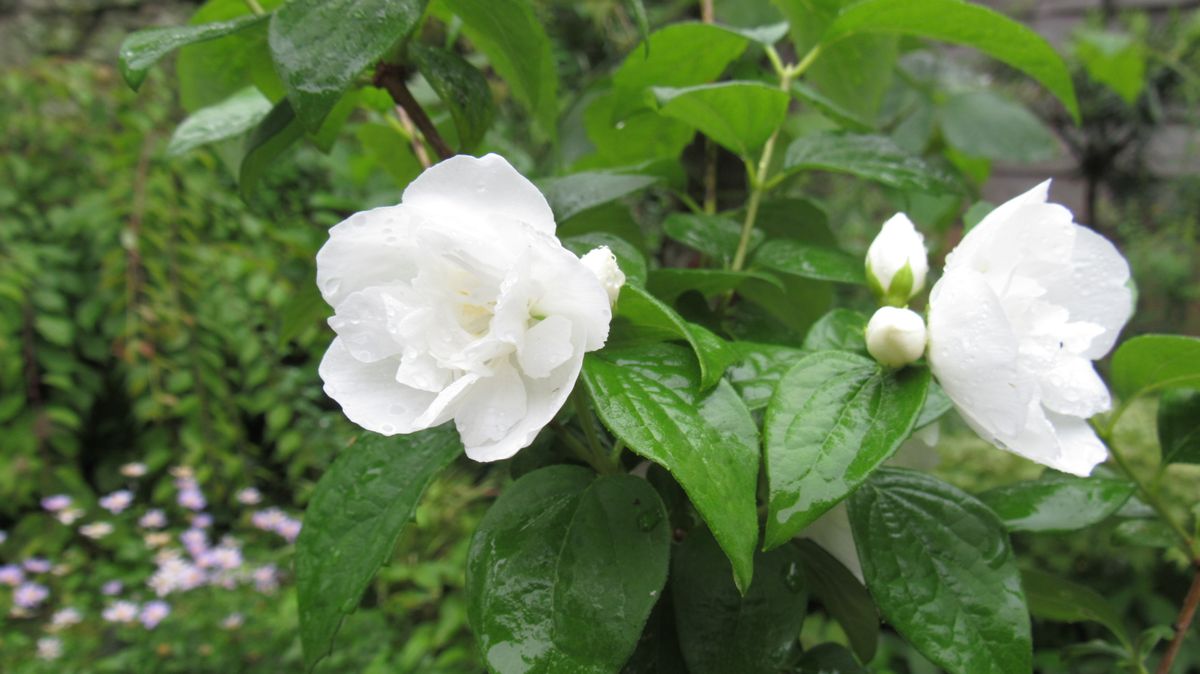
column 940, row 567
column 720, row 630
column 320, row 46
column 1179, row 426
column 669, row 283
column 564, row 570
column 649, row 397
column 966, row 24
column 141, row 50
column 737, row 115
column 829, row 658
column 354, row 517
column 808, row 261
column 831, row 108
column 838, row 330
column 673, row 60
column 834, row 419
column 462, row 88
column 1061, row 600
column 1057, row 502
column 233, row 116
column 758, row 369
column 515, row 42
column 843, row 597
column 1155, row 363
column 875, row 158
column 1145, row 533
column 210, row 72
column 644, row 310
column 714, row 235
column 629, row 258
column 273, row 135
column 573, row 194
column 985, row 124
column 640, row 136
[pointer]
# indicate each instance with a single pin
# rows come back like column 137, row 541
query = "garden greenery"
column 704, row 460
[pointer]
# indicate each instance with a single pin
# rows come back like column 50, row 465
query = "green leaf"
column 986, row 124
column 564, row 570
column 1057, row 502
column 937, row 403
column 839, row 330
column 738, row 115
column 141, row 50
column 1061, row 600
column 273, row 135
column 636, row 9
column 829, row 658
column 941, row 570
column 831, row 108
column 515, row 43
column 758, row 370
column 578, row 192
column 1115, row 60
column 673, row 60
column 1145, row 533
column 669, row 283
column 462, row 88
column 834, row 419
column 964, row 24
column 649, row 397
column 321, row 46
column 714, row 235
column 875, row 158
column 843, row 597
column 642, row 136
column 720, row 630
column 233, row 116
column 210, row 72
column 1155, row 363
column 354, row 517
column 644, row 310
column 809, row 261
column 629, row 258
column 1179, row 426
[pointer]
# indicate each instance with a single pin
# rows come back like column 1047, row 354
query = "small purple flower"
column 202, row 520
column 192, row 498
column 56, row 503
column 249, row 496
column 96, row 530
column 11, row 575
column 233, row 621
column 120, row 612
column 135, row 469
column 266, row 578
column 30, row 595
column 153, row 519
column 153, row 613
column 117, row 502
column 111, row 588
column 64, row 618
column 3, row 536
column 69, row 516
column 195, row 541
column 289, row 529
column 37, row 565
column 268, row 519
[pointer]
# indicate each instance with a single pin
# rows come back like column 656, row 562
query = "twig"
column 1182, row 622
column 417, row 146
column 391, row 78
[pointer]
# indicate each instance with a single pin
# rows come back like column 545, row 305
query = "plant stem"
column 1183, row 621
column 584, row 414
column 391, row 78
column 582, row 451
column 255, row 7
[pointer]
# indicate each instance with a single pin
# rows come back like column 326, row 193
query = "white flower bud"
column 601, row 262
column 896, row 261
column 896, row 337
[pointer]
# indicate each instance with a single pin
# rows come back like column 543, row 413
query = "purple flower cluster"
column 275, row 520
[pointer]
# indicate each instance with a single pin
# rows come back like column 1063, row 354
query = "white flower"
column 120, row 612
column 49, row 648
column 96, row 530
column 135, row 469
column 898, row 247
column 458, row 303
column 895, row 337
column 117, row 502
column 64, row 618
column 603, row 264
column 1028, row 300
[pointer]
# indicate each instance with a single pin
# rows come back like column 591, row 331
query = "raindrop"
column 332, row 285
column 648, row 520
column 793, row 577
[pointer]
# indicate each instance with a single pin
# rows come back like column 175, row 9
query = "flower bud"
column 896, row 337
column 601, row 262
column 896, row 262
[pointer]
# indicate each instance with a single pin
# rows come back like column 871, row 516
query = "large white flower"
column 458, row 303
column 1028, row 300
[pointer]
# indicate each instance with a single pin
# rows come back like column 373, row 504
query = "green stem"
column 582, row 451
column 255, row 7
column 615, row 455
column 584, row 414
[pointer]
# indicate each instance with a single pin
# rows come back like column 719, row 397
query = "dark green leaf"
column 1179, row 426
column 462, row 88
column 1057, row 502
column 808, row 261
column 669, row 283
column 838, row 330
column 831, row 108
column 876, row 158
column 714, row 235
column 834, row 419
column 515, row 42
column 942, row 572
column 141, row 50
column 353, row 520
column 937, row 403
column 721, row 631
column 320, row 46
column 1061, row 600
column 1154, row 363
column 758, row 369
column 564, row 570
column 578, row 192
column 737, row 115
column 985, row 124
column 644, row 310
column 795, row 308
column 843, row 597
column 829, row 659
column 673, row 60
column 273, row 135
column 210, row 72
column 1145, row 533
column 658, row 650
column 233, row 116
column 629, row 258
column 649, row 398
column 965, row 24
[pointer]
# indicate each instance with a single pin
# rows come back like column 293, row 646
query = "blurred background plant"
column 149, row 315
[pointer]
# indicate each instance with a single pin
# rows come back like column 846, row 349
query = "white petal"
column 1080, row 449
column 832, row 532
column 987, row 230
column 1097, row 290
column 973, row 352
column 570, row 290
column 547, row 345
column 371, row 397
column 361, row 321
column 487, row 186
column 421, row 371
column 897, row 244
column 1072, row 387
column 369, row 248
column 495, row 405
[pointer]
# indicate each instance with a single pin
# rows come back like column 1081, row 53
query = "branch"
column 1182, row 622
column 391, row 78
